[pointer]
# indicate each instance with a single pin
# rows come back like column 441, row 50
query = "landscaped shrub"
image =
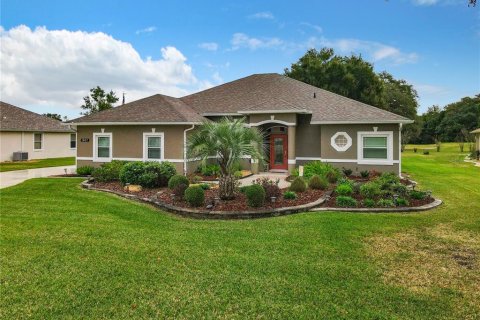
column 344, row 190
column 345, row 201
column 388, row 177
column 290, row 195
column 210, row 170
column 271, row 187
column 426, row 152
column 205, row 186
column 318, row 182
column 364, row 174
column 370, row 190
column 195, row 179
column 179, row 190
column 345, row 180
column 243, row 189
column 385, row 203
column 417, row 195
column 402, row 202
column 109, row 171
column 147, row 174
column 195, row 196
column 332, row 176
column 369, row 203
column 415, row 150
column 176, row 180
column 318, row 168
column 399, row 189
column 347, row 172
column 85, row 170
column 356, row 187
column 298, row 185
column 255, row 195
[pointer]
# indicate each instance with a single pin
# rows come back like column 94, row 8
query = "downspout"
column 400, row 150
column 185, row 149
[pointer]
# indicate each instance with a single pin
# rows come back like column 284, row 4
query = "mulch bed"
column 237, row 204
column 412, row 202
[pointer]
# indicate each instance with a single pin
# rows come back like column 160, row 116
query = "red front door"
column 278, row 152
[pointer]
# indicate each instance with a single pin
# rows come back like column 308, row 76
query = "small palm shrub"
column 385, row 203
column 298, row 185
column 195, row 196
column 109, row 171
column 290, row 195
column 176, row 180
column 365, row 174
column 369, row 203
column 402, row 202
column 370, row 190
column 347, row 172
column 345, row 201
column 344, row 190
column 317, row 168
column 318, row 182
column 85, row 170
column 255, row 195
column 210, row 170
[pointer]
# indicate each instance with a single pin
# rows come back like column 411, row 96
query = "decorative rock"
column 132, row 188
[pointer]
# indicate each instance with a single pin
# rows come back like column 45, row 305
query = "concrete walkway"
column 12, row 178
column 271, row 175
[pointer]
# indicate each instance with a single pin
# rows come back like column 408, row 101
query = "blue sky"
column 54, row 51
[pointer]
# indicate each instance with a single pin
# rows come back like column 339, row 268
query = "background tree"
column 98, row 100
column 55, row 116
column 230, row 140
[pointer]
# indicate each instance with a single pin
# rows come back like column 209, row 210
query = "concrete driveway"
column 12, row 178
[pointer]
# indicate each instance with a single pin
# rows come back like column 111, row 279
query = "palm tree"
column 230, row 140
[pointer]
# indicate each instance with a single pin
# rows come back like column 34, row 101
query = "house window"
column 375, row 147
column 153, row 146
column 341, row 141
column 102, row 146
column 73, row 141
column 37, row 141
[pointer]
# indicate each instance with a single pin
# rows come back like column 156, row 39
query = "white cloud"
column 262, row 15
column 313, row 26
column 427, row 3
column 241, row 40
column 43, row 67
column 146, row 30
column 217, row 78
column 210, row 46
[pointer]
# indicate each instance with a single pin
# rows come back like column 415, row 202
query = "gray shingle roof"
column 276, row 92
column 13, row 118
column 156, row 108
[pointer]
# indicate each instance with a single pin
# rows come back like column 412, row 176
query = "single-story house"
column 36, row 136
column 301, row 123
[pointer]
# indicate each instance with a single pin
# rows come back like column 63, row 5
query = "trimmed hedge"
column 195, row 196
column 255, row 195
column 176, row 180
column 149, row 174
column 85, row 170
column 109, row 171
column 344, row 201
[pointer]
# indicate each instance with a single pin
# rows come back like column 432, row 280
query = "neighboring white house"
column 39, row 136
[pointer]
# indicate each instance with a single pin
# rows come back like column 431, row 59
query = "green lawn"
column 73, row 253
column 34, row 164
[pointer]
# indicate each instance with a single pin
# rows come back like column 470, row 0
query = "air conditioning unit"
column 20, row 156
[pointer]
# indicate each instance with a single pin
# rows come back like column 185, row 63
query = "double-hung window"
column 73, row 141
column 102, row 145
column 153, row 146
column 375, row 147
column 38, row 141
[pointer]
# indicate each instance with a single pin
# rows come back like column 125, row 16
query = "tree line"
column 355, row 78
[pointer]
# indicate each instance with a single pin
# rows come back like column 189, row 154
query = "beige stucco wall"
column 55, row 145
column 308, row 140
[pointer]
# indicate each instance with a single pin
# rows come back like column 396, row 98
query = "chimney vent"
column 314, row 95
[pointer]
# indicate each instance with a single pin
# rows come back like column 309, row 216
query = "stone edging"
column 425, row 207
column 225, row 215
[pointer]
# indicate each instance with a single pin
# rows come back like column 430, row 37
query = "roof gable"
column 13, row 118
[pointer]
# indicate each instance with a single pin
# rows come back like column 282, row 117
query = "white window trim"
column 96, row 135
column 70, row 141
column 145, row 145
column 337, row 147
column 387, row 134
column 42, row 141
